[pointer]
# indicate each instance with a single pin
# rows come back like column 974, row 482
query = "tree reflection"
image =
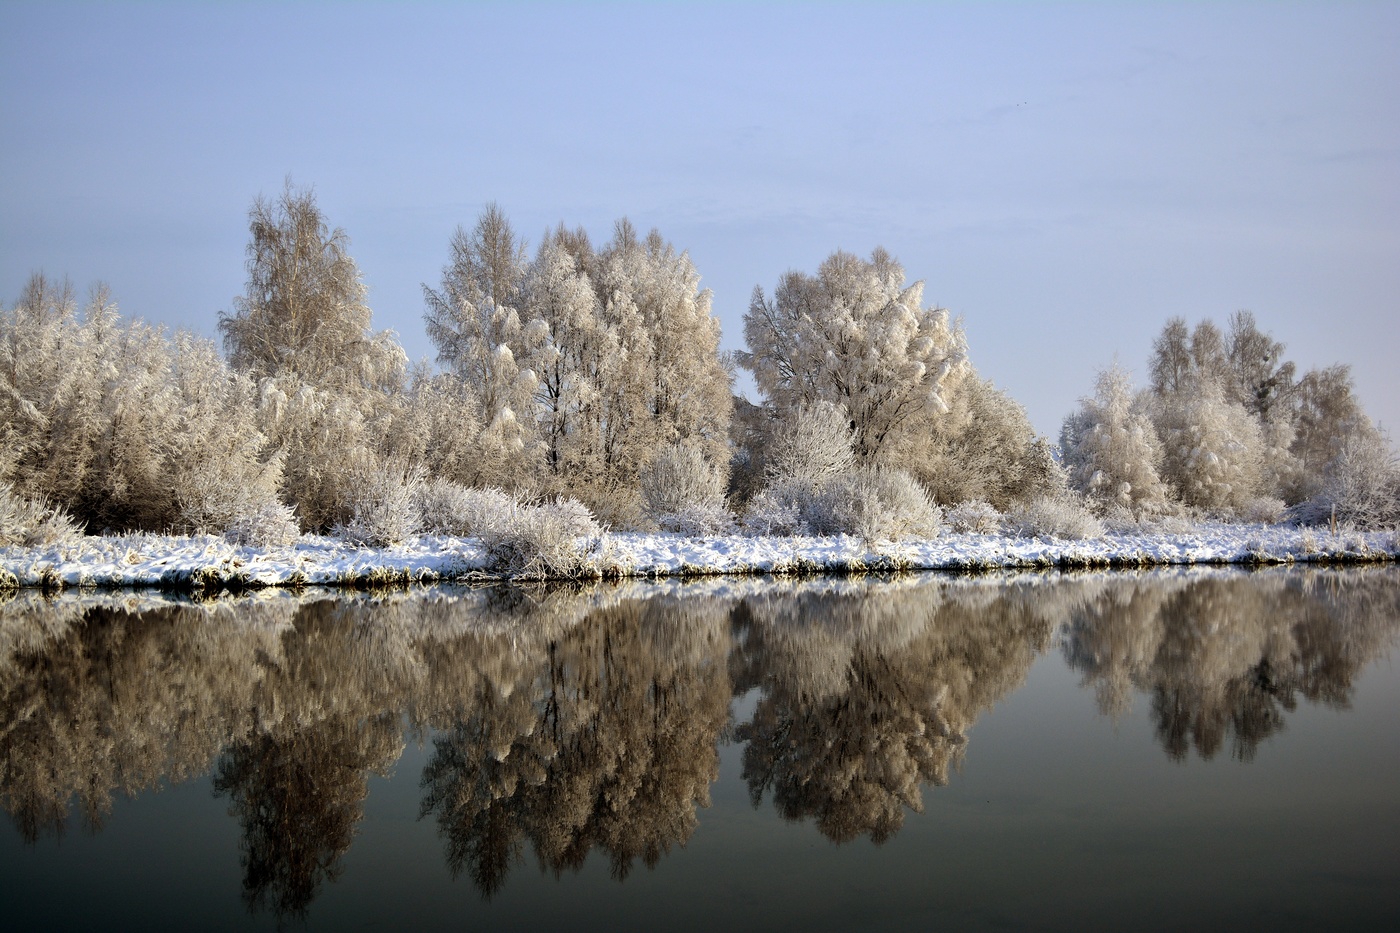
column 607, row 740
column 298, row 798
column 324, row 717
column 579, row 719
column 105, row 700
column 1225, row 656
column 869, row 693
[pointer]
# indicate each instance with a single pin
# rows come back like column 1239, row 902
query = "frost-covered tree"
column 983, row 448
column 599, row 358
column 1259, row 378
column 1221, row 404
column 436, row 424
column 1326, row 413
column 328, row 384
column 474, row 321
column 650, row 295
column 574, row 355
column 303, row 311
column 1111, row 449
column 124, row 427
column 857, row 336
column 1212, row 449
column 815, row 445
column 1360, row 485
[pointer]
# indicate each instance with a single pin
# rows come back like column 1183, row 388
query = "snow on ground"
column 207, row 561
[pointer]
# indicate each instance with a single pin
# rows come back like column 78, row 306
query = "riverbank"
column 208, row 563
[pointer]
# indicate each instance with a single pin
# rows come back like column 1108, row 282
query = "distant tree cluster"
column 584, row 388
column 1227, row 429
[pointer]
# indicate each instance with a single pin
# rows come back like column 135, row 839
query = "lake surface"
column 1155, row 750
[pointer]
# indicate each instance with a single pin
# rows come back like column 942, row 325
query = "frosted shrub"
column 382, row 506
column 697, row 520
column 571, row 516
column 33, row 522
column 875, row 503
column 779, row 509
column 816, row 444
column 263, row 524
column 1053, row 517
column 974, row 517
column 1261, row 510
column 1360, row 487
column 683, row 493
column 544, row 541
column 1119, row 520
column 448, row 508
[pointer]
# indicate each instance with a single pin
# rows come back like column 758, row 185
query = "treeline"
column 1227, row 428
column 585, row 383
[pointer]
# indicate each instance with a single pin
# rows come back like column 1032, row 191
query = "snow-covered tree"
column 598, row 359
column 303, row 312
column 983, row 448
column 436, row 424
column 124, row 427
column 1326, row 413
column 574, row 355
column 857, row 336
column 815, row 445
column 1259, row 378
column 1212, row 449
column 1360, row 485
column 474, row 321
column 651, row 296
column 1111, row 449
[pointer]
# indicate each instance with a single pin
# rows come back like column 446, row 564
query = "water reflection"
column 868, row 693
column 565, row 721
column 607, row 738
column 1224, row 657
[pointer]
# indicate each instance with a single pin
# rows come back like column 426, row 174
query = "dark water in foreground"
column 1110, row 751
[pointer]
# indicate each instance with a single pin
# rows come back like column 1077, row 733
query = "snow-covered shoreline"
column 213, row 563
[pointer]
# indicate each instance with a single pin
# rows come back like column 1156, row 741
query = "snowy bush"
column 1360, row 486
column 812, row 446
column 554, row 539
column 1261, row 510
column 697, row 520
column 683, row 493
column 974, row 517
column 1053, row 517
column 382, row 506
column 448, row 508
column 779, row 509
column 33, row 523
column 874, row 503
column 263, row 524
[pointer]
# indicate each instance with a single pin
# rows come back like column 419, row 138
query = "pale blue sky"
column 1063, row 177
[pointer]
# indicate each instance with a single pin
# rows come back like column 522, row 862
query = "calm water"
column 1115, row 751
